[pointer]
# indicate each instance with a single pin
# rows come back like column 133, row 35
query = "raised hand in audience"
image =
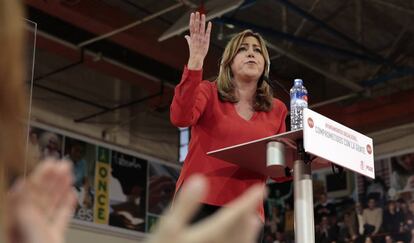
column 40, row 207
column 238, row 222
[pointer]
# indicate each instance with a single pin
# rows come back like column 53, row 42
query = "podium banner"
column 337, row 143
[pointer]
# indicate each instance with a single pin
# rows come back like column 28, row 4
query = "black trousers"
column 207, row 210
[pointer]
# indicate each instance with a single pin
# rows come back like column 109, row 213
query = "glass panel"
column 31, row 32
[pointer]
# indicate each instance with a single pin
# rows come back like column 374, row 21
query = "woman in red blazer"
column 236, row 108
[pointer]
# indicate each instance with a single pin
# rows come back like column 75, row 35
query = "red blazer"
column 216, row 124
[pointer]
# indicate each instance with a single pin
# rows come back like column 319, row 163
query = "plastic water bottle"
column 298, row 101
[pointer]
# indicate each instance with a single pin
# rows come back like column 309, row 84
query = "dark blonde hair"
column 12, row 93
column 226, row 88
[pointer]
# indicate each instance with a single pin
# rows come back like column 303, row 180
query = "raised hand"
column 198, row 40
column 238, row 222
column 40, row 207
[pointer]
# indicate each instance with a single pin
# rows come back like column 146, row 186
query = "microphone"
column 273, row 82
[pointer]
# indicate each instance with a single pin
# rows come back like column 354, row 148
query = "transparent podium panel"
column 30, row 54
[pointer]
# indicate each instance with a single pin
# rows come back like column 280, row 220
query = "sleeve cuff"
column 193, row 74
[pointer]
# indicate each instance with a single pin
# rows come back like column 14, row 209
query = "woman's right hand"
column 198, row 40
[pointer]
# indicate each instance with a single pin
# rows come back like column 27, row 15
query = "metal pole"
column 303, row 199
column 303, row 193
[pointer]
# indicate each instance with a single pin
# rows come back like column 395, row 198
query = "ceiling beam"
column 298, row 40
column 389, row 5
column 373, row 114
column 99, row 18
column 103, row 65
column 333, row 31
column 319, row 69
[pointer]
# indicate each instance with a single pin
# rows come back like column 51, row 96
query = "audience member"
column 393, row 221
column 323, row 207
column 372, row 218
column 325, row 232
column 352, row 220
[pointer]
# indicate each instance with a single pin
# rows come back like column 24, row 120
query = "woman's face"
column 248, row 64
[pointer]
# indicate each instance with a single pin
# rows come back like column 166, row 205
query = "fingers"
column 191, row 24
column 237, row 222
column 202, row 24
column 188, row 200
column 39, row 184
column 172, row 225
column 207, row 35
column 14, row 197
column 64, row 212
column 208, row 30
column 42, row 204
column 188, row 39
column 61, row 181
column 49, row 184
column 197, row 23
column 198, row 41
column 249, row 200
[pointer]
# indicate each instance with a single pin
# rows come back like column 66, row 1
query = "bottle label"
column 301, row 96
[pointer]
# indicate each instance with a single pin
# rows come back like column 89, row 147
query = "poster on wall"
column 279, row 211
column 82, row 156
column 128, row 186
column 161, row 187
column 161, row 181
column 116, row 190
column 402, row 172
column 45, row 144
column 151, row 222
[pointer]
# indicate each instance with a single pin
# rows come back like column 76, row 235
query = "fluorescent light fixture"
column 214, row 8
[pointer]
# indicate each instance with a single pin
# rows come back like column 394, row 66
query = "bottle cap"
column 298, row 81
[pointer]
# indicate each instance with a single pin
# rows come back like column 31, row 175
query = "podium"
column 324, row 139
